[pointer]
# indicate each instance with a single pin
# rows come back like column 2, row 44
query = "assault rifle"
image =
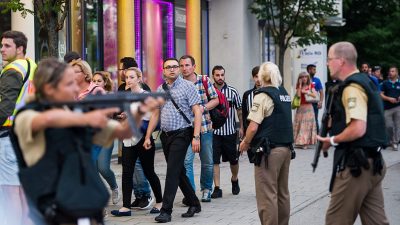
column 121, row 100
column 323, row 131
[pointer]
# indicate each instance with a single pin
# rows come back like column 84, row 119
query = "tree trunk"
column 281, row 60
column 53, row 37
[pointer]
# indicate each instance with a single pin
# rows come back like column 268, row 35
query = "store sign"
column 180, row 17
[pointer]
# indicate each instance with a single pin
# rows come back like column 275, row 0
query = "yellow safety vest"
column 21, row 66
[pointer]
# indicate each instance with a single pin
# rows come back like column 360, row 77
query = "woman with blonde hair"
column 83, row 76
column 132, row 150
column 304, row 127
column 101, row 156
column 270, row 127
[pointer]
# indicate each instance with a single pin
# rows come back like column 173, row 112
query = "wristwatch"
column 205, row 108
column 196, row 137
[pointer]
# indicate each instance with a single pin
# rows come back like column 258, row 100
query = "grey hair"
column 345, row 50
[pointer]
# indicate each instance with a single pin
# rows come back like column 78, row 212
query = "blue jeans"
column 315, row 107
column 8, row 163
column 103, row 166
column 207, row 164
column 141, row 186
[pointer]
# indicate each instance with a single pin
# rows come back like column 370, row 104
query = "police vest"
column 23, row 67
column 66, row 162
column 278, row 126
column 375, row 135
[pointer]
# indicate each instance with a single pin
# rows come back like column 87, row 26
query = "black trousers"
column 175, row 145
column 129, row 157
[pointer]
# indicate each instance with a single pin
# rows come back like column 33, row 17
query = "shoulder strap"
column 28, row 71
column 205, row 85
column 165, row 87
column 90, row 92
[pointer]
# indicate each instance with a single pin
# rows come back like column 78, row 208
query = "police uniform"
column 272, row 111
column 359, row 169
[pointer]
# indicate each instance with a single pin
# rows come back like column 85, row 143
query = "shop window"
column 154, row 38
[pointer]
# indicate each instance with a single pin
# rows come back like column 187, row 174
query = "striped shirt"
column 247, row 102
column 206, row 124
column 185, row 95
column 235, row 103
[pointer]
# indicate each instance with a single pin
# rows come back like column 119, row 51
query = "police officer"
column 357, row 133
column 270, row 135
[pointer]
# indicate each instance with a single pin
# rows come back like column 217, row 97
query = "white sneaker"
column 115, row 196
column 395, row 147
column 146, row 203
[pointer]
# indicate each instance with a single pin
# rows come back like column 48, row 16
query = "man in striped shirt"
column 225, row 138
column 247, row 100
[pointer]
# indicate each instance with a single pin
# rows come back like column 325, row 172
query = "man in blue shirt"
column 312, row 70
column 177, row 133
column 390, row 93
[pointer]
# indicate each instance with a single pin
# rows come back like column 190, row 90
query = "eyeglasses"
column 171, row 67
column 330, row 59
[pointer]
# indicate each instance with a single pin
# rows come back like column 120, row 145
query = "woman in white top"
column 133, row 149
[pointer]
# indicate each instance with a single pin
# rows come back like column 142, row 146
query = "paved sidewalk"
column 309, row 194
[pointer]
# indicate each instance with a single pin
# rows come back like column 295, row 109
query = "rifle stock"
column 323, row 130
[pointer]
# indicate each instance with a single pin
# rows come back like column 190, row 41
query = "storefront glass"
column 155, row 38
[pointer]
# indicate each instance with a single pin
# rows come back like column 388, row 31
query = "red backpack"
column 220, row 113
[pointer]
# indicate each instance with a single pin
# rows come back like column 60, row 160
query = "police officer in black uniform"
column 270, row 136
column 357, row 133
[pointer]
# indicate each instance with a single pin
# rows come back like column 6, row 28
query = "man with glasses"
column 357, row 133
column 177, row 133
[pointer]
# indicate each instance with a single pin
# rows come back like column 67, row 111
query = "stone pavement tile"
column 309, row 193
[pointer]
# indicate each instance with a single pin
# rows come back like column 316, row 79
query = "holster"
column 260, row 149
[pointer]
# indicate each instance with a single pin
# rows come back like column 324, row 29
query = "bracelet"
column 332, row 141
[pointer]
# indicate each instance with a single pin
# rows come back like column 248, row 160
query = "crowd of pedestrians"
column 35, row 138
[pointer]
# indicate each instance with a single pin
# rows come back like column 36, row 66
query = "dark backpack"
column 220, row 113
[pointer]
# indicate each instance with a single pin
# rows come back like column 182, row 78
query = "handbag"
column 296, row 102
column 310, row 99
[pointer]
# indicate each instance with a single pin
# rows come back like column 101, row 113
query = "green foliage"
column 288, row 18
column 15, row 5
column 50, row 13
column 373, row 27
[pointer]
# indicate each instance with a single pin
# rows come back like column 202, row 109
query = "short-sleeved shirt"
column 262, row 107
column 390, row 89
column 317, row 84
column 206, row 124
column 235, row 103
column 355, row 102
column 33, row 144
column 185, row 95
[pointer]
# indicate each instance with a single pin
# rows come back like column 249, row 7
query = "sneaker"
column 395, row 147
column 135, row 204
column 235, row 187
column 217, row 193
column 146, row 203
column 206, row 197
column 115, row 196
